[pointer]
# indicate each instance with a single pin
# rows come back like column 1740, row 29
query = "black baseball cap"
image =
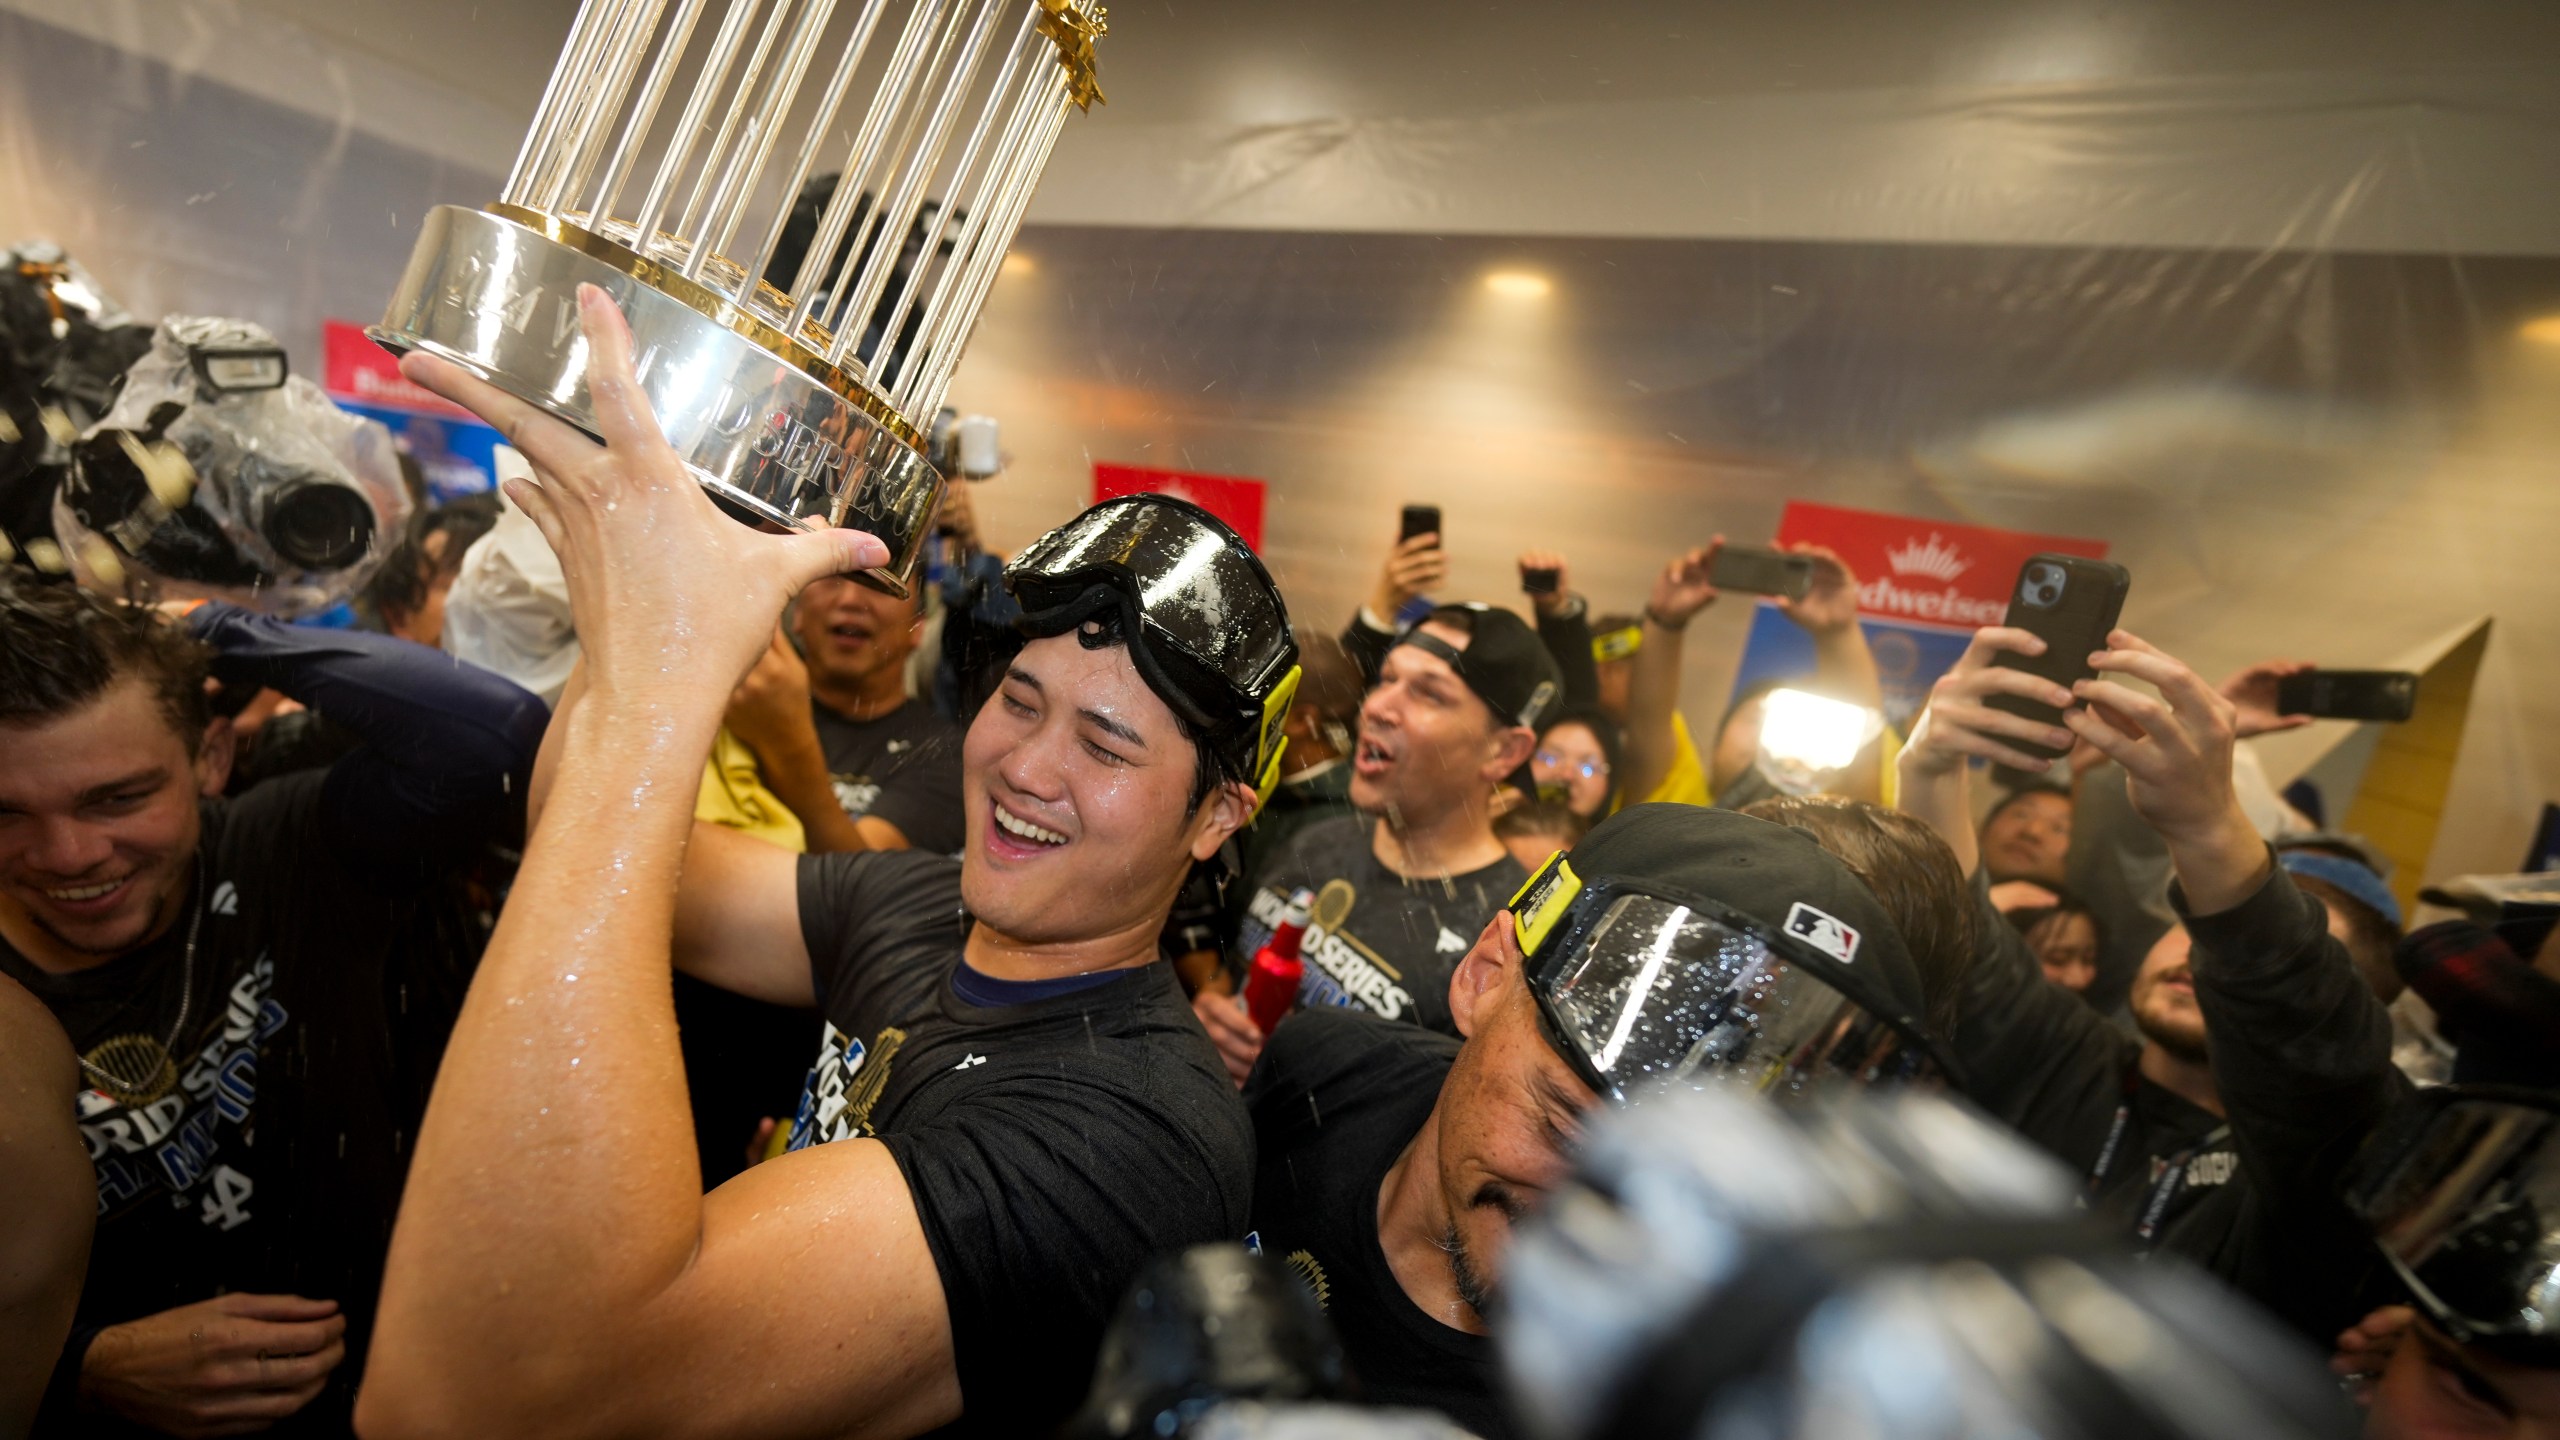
column 1678, row 939
column 1504, row 662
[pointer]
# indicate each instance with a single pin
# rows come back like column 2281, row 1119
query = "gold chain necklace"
column 131, row 1091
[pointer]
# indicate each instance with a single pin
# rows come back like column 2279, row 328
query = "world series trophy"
column 799, row 394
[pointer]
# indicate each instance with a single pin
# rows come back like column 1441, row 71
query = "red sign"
column 355, row 368
column 1231, row 498
column 1926, row 572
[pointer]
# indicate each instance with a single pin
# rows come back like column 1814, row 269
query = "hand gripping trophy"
column 797, row 310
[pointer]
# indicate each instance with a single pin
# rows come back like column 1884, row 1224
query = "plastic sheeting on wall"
column 2289, row 339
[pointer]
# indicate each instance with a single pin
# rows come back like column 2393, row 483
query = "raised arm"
column 1564, row 626
column 1679, row 593
column 1959, row 726
column 48, row 1194
column 1412, row 568
column 1844, row 668
column 556, row 1269
column 446, row 744
column 2301, row 1048
column 2030, row 1049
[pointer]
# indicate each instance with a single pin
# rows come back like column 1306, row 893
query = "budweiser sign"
column 1926, row 572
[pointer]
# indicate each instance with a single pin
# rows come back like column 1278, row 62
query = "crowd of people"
column 773, row 1004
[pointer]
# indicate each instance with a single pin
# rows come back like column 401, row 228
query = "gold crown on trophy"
column 799, row 391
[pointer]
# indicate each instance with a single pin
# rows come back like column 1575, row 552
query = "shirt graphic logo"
column 836, row 1100
column 1345, row 972
column 1450, row 942
column 1823, row 932
column 226, row 899
column 971, row 1059
column 897, row 747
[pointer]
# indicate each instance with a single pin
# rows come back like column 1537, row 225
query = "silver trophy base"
column 746, row 407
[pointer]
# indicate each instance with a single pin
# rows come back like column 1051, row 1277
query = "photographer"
column 272, row 966
column 1658, row 747
column 2263, row 1056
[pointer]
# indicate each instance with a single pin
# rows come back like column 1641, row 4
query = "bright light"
column 1801, row 730
column 1519, row 284
column 1018, row 263
column 2545, row 330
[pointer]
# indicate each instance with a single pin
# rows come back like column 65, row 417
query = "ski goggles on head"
column 1636, row 984
column 1204, row 622
column 2462, row 1190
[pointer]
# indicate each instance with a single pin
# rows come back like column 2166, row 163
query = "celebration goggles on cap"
column 1638, row 982
column 2461, row 1187
column 1203, row 621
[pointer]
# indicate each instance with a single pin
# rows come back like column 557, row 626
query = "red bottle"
column 1271, row 986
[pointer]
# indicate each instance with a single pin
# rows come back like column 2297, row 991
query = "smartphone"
column 1419, row 520
column 2070, row 603
column 1761, row 571
column 2390, row 695
column 1539, row 579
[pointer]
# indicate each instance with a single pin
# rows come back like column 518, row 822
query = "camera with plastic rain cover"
column 220, row 473
column 64, row 349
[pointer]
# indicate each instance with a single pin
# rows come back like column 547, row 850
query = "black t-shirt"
column 264, row 1150
column 1377, row 941
column 903, row 768
column 1052, row 1145
column 1336, row 1097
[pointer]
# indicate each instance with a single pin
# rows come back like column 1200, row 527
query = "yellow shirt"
column 734, row 796
column 1686, row 784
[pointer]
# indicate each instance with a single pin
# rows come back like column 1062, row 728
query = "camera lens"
column 315, row 525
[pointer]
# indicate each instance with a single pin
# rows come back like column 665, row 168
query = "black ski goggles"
column 2461, row 1187
column 1639, row 983
column 1204, row 622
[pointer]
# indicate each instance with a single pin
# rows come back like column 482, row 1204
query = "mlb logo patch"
column 1823, row 932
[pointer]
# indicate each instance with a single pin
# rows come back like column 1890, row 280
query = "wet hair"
column 2037, row 785
column 401, row 584
column 62, row 647
column 1913, row 875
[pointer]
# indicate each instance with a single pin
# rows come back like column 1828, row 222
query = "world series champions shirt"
column 1054, row 1135
column 260, row 1145
column 1375, row 941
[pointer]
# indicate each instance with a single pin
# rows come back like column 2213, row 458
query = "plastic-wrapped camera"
column 2041, row 586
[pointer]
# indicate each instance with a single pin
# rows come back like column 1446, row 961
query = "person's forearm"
column 1652, row 699
column 798, row 776
column 1566, row 632
column 450, row 731
column 1845, row 669
column 1939, row 796
column 541, row 1209
column 2221, row 864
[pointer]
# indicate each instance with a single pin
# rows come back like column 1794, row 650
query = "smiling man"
column 835, row 734
column 1011, row 1108
column 250, row 984
column 1402, row 886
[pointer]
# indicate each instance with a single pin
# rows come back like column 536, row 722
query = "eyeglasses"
column 1573, row 769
